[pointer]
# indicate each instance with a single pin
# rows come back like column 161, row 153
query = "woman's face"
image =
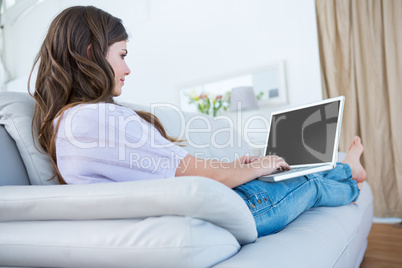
column 115, row 56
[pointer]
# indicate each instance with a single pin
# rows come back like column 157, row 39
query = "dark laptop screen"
column 305, row 136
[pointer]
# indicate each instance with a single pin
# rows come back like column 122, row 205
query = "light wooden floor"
column 384, row 247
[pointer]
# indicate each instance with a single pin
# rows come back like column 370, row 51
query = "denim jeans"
column 275, row 204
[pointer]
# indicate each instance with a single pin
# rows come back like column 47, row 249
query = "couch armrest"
column 195, row 197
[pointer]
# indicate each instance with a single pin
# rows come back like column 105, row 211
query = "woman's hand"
column 262, row 165
column 232, row 174
column 267, row 164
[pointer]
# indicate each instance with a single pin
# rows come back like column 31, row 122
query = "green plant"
column 259, row 95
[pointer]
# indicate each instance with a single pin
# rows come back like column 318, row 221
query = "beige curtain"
column 360, row 44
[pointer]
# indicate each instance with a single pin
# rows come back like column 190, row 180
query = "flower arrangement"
column 207, row 103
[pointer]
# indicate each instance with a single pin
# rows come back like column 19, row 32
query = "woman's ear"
column 89, row 54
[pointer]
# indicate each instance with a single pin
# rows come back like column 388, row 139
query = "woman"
column 92, row 140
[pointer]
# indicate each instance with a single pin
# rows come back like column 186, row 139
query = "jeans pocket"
column 255, row 196
column 258, row 203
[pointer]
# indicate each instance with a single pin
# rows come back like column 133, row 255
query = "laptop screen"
column 304, row 136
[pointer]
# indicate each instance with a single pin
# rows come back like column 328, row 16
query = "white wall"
column 177, row 43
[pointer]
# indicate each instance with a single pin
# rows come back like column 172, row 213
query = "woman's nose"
column 127, row 70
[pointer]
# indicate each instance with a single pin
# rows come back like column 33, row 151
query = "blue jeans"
column 275, row 204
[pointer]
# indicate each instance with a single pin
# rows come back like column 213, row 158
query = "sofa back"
column 12, row 168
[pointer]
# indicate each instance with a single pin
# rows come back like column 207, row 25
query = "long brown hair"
column 73, row 69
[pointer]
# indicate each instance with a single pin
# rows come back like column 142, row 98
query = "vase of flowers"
column 210, row 104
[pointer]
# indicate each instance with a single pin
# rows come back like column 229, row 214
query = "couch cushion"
column 16, row 110
column 180, row 222
column 12, row 168
column 168, row 241
column 196, row 197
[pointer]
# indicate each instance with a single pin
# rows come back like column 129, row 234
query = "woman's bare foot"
column 353, row 160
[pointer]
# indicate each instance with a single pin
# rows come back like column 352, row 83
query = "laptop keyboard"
column 289, row 171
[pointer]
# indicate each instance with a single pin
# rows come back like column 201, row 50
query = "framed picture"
column 268, row 82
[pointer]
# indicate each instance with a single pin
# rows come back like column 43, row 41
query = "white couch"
column 179, row 222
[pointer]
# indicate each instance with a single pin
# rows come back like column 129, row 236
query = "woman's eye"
column 123, row 56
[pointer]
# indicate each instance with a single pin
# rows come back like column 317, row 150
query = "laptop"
column 306, row 137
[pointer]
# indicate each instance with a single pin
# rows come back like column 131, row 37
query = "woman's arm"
column 232, row 174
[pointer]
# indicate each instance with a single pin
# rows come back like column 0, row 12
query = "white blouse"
column 104, row 142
